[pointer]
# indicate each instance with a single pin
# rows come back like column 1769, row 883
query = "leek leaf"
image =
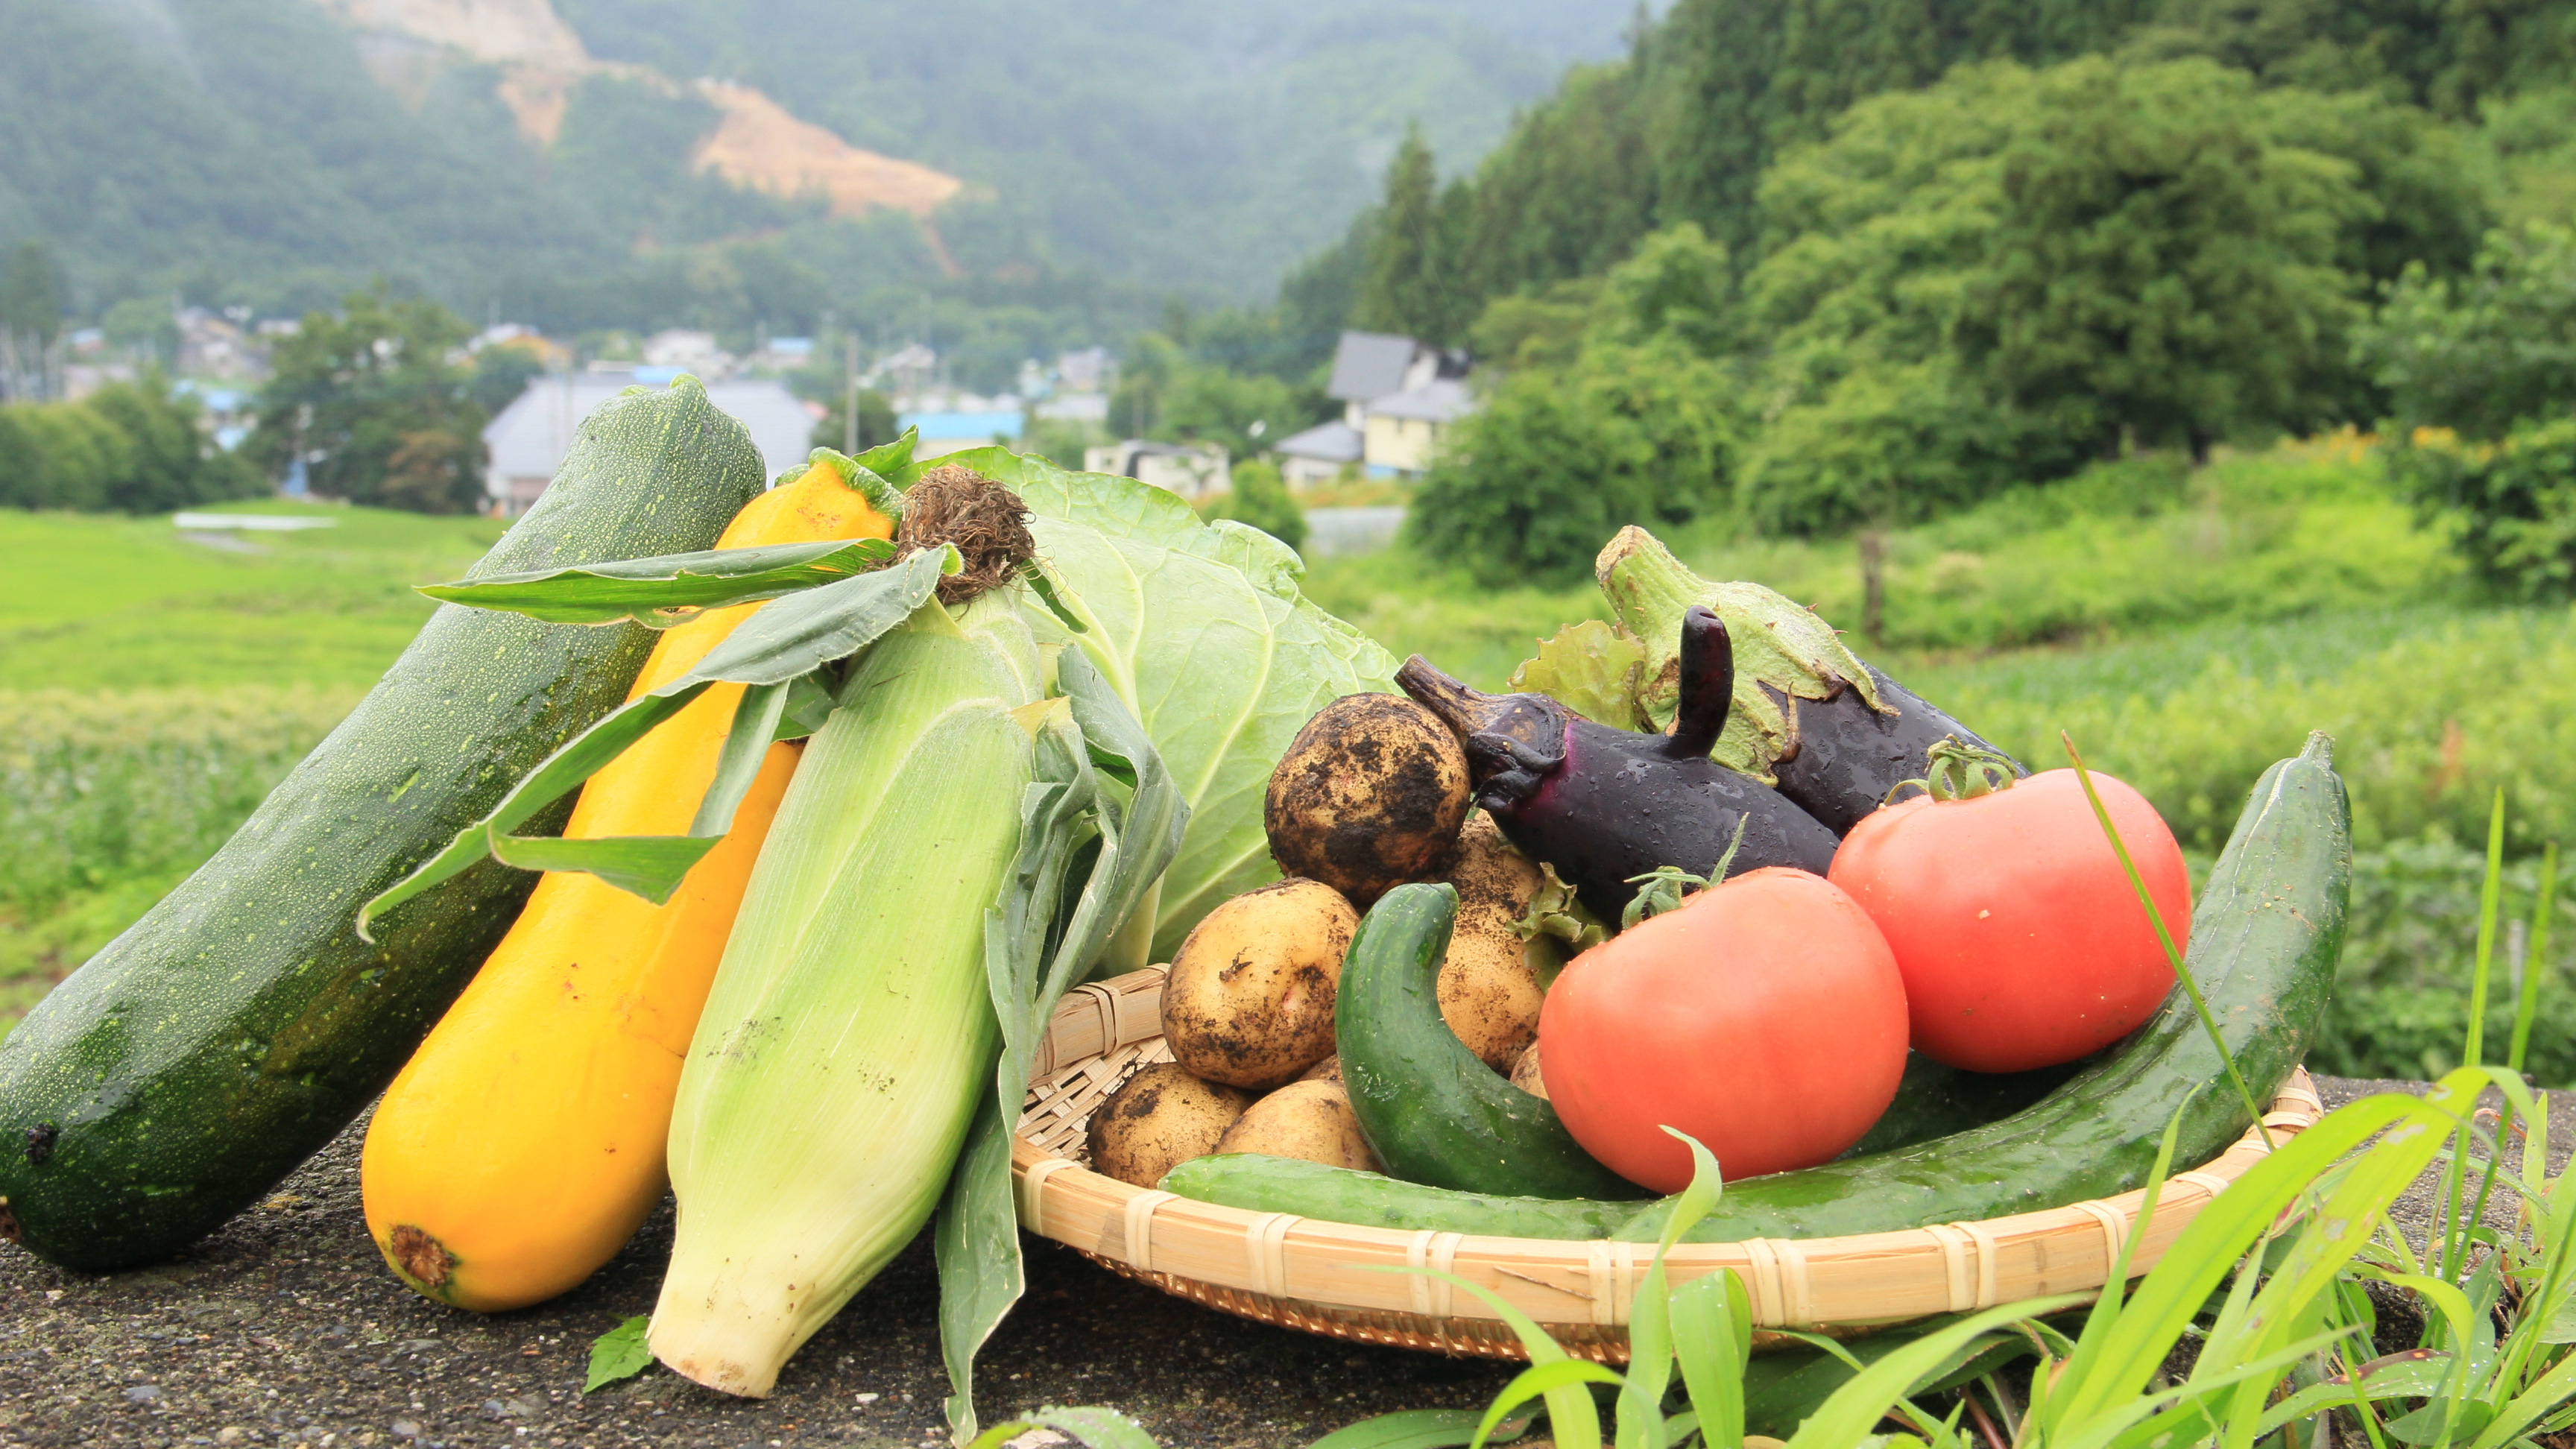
column 1034, row 947
column 669, row 588
column 783, row 643
column 1201, row 631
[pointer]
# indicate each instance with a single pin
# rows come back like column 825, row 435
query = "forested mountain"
column 275, row 152
column 1684, row 128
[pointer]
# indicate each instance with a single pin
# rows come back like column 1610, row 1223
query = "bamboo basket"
column 1326, row 1278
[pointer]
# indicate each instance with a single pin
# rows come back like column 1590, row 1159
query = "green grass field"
column 107, row 602
column 152, row 689
column 2185, row 631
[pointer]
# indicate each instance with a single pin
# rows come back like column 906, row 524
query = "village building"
column 1399, row 399
column 527, row 441
column 1192, row 470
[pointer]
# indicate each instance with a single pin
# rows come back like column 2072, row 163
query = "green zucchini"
column 2265, row 938
column 237, row 1027
column 1432, row 1110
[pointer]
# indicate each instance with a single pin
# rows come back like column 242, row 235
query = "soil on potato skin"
column 287, row 1329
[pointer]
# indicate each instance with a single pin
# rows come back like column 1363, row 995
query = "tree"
column 1619, row 405
column 501, row 373
column 31, row 317
column 2481, row 353
column 2055, row 262
column 145, row 323
column 1410, row 284
column 876, row 423
column 173, row 464
column 373, row 404
column 1558, row 461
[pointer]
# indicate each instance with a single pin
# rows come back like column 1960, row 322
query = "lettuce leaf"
column 1200, row 629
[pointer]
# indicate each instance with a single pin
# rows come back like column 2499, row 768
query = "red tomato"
column 2020, row 939
column 1765, row 1018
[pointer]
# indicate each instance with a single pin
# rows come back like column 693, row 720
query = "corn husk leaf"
column 785, row 642
column 1034, row 948
column 667, row 589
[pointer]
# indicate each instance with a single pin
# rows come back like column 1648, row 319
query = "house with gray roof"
column 527, row 441
column 1398, row 397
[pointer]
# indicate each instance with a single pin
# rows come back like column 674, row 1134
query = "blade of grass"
column 2535, row 957
column 2490, row 896
column 2454, row 1229
column 1846, row 1418
column 2167, row 1301
column 1551, row 1380
column 2140, row 1422
column 1640, row 1423
column 2105, row 1312
column 1712, row 1355
column 1573, row 1420
column 2173, row 957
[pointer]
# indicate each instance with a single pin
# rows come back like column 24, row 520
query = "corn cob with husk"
column 839, row 1060
column 963, row 847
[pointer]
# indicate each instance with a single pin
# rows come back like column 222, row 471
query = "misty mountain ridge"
column 491, row 150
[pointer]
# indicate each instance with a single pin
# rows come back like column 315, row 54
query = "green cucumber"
column 1933, row 1100
column 1432, row 1110
column 236, row 1028
column 2265, row 938
column 1370, row 1200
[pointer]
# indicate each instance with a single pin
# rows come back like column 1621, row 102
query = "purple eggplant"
column 1833, row 732
column 1848, row 755
column 1603, row 805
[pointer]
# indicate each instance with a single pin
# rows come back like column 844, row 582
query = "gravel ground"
column 285, row 1329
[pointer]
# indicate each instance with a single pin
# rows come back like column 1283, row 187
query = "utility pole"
column 850, row 398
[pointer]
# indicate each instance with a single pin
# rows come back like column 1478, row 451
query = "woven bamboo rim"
column 1322, row 1277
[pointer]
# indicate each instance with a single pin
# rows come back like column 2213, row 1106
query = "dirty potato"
column 1489, row 994
column 1309, row 1120
column 1327, row 1070
column 1525, row 1074
column 1161, row 1117
column 1369, row 795
column 1249, row 1002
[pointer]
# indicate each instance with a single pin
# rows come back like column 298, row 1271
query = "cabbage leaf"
column 1200, row 629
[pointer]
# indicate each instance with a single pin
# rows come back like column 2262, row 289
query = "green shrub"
column 1259, row 498
column 2486, row 352
column 2511, row 505
column 2401, row 999
column 130, row 446
column 1559, row 461
column 2426, row 725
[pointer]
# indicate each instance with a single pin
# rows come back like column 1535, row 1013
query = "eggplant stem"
column 1707, row 684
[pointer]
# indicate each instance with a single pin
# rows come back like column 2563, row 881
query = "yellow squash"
column 525, row 1141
